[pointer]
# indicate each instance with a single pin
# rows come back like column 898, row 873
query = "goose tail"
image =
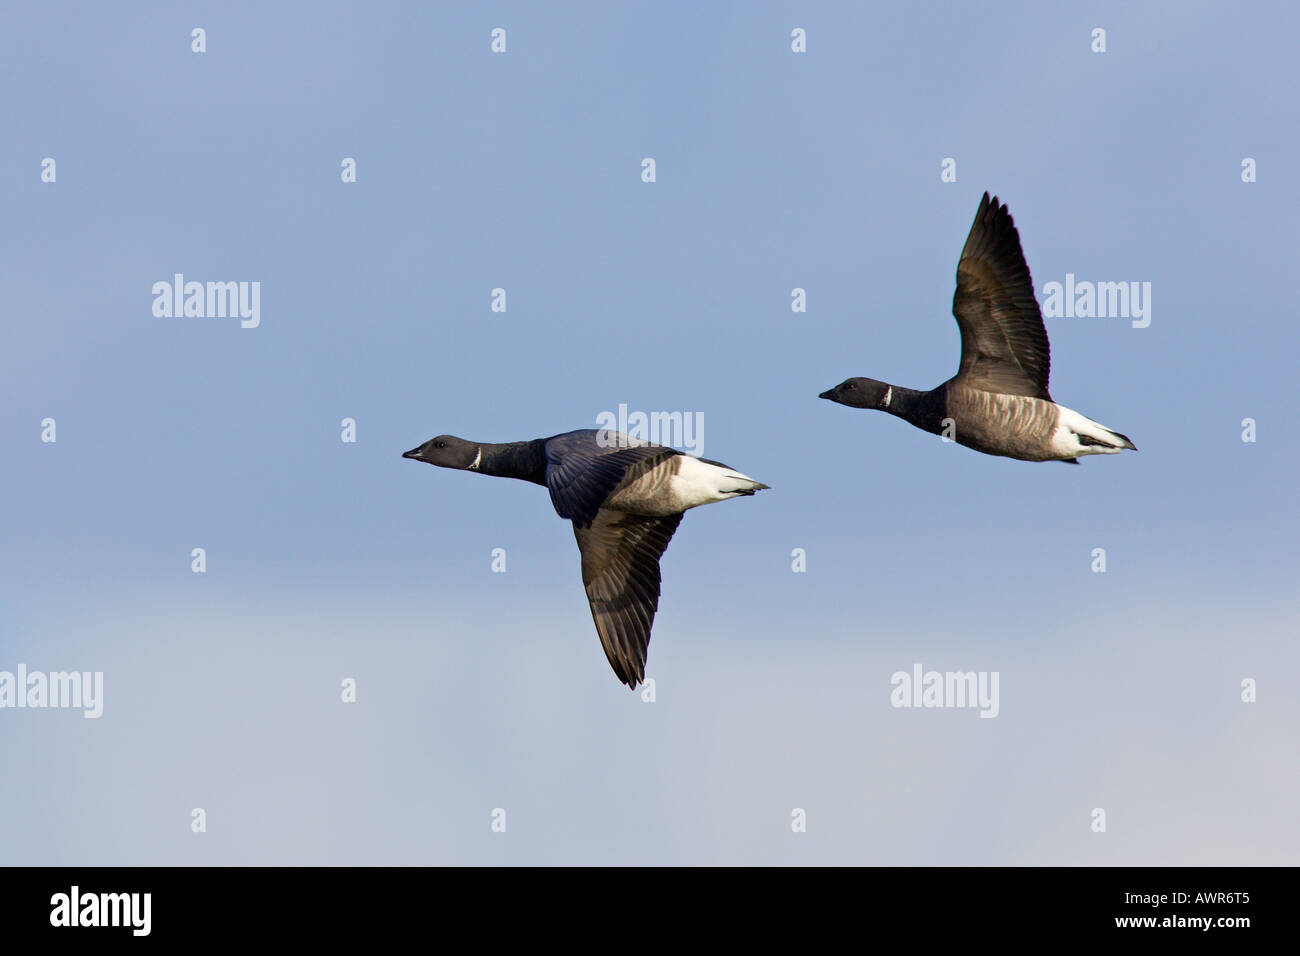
column 1078, row 435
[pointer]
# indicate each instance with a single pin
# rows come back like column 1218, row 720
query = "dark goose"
column 625, row 498
column 998, row 401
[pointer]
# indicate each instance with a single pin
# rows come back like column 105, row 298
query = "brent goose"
column 997, row 402
column 625, row 498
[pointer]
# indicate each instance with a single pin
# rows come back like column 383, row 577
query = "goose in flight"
column 998, row 401
column 625, row 498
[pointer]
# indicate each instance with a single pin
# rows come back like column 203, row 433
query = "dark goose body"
column 998, row 402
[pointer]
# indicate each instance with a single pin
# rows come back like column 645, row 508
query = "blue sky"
column 522, row 171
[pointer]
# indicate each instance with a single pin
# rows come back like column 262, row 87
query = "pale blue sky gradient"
column 479, row 690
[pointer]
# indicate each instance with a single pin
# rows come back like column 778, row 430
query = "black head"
column 858, row 393
column 447, row 451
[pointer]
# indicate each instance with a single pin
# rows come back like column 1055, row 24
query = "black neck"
column 525, row 460
column 919, row 408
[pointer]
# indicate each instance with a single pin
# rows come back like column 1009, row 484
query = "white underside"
column 699, row 483
column 1070, row 425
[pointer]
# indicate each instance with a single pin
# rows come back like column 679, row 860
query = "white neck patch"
column 477, row 458
column 889, row 393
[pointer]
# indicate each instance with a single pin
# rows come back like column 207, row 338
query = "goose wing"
column 620, row 570
column 1004, row 345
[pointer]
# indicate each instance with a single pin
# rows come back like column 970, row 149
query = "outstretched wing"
column 1003, row 343
column 620, row 570
column 581, row 474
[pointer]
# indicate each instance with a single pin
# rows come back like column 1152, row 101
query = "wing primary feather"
column 1004, row 346
column 620, row 571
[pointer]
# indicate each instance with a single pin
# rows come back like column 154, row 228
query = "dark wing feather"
column 1003, row 343
column 620, row 570
column 581, row 475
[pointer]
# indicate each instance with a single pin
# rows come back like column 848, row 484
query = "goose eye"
column 440, row 444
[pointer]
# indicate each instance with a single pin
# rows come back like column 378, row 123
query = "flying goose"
column 997, row 402
column 625, row 498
